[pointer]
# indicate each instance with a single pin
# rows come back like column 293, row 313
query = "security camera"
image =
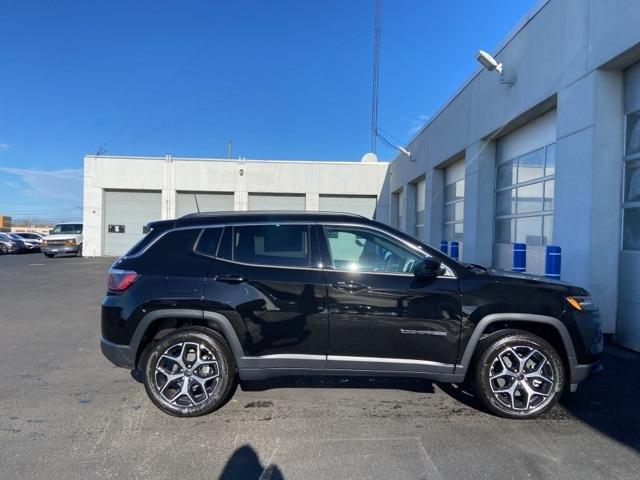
column 488, row 62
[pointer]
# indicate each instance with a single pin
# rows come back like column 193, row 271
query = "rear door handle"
column 230, row 278
column 350, row 287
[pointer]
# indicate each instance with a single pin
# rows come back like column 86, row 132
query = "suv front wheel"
column 518, row 374
column 189, row 372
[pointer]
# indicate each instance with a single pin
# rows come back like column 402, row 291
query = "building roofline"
column 517, row 28
column 237, row 160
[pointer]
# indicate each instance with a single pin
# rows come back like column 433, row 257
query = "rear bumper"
column 120, row 355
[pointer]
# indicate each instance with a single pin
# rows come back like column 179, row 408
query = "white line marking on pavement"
column 428, row 463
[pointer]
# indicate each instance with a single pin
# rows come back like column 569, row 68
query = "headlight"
column 582, row 304
column 70, row 243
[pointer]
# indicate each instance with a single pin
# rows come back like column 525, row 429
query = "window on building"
column 525, row 198
column 454, row 210
column 631, row 205
column 400, row 204
column 420, row 206
column 278, row 245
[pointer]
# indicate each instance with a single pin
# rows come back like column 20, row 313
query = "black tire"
column 510, row 388
column 49, row 255
column 197, row 398
column 3, row 249
column 79, row 252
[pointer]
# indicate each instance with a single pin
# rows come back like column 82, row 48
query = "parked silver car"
column 8, row 244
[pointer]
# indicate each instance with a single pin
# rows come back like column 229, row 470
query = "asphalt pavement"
column 66, row 412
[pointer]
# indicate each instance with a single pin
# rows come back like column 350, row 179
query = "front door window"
column 360, row 250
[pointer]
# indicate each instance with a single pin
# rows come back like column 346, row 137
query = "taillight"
column 120, row 280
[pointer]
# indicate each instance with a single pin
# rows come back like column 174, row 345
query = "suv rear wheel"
column 189, row 372
column 518, row 374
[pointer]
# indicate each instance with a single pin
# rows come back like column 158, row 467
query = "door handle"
column 350, row 286
column 231, row 278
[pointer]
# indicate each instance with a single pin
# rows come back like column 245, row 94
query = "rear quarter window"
column 173, row 254
column 209, row 241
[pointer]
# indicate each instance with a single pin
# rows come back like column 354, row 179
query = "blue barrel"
column 444, row 246
column 552, row 261
column 455, row 250
column 519, row 257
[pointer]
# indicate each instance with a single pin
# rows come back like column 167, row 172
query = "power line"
column 391, row 135
column 375, row 75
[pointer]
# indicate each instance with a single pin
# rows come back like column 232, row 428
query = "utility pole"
column 376, row 74
column 229, row 147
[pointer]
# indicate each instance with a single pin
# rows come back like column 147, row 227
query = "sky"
column 281, row 79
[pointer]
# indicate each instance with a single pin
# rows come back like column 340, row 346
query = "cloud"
column 13, row 185
column 418, row 123
column 56, row 185
column 4, row 147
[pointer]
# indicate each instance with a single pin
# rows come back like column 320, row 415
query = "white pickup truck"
column 63, row 238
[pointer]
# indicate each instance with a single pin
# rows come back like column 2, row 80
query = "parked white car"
column 63, row 238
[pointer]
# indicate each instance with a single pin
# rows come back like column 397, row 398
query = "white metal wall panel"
column 259, row 201
column 360, row 205
column 131, row 209
column 208, row 202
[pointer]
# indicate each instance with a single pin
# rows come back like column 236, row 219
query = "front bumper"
column 119, row 355
column 583, row 372
column 55, row 249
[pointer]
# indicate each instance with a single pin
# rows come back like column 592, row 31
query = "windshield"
column 67, row 228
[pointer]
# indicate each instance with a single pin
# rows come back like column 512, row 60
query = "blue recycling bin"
column 444, row 246
column 552, row 261
column 455, row 250
column 519, row 257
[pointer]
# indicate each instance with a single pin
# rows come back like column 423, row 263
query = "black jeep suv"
column 208, row 298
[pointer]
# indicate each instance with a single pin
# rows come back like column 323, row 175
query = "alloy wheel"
column 522, row 378
column 187, row 374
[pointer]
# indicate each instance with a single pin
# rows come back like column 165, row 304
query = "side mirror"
column 429, row 269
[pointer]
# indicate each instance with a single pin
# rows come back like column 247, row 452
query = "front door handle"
column 350, row 286
column 231, row 278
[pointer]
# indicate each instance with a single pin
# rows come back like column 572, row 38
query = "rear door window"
column 276, row 245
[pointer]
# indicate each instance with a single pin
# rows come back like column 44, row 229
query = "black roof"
column 266, row 216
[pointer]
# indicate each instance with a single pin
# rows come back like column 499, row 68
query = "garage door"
column 125, row 214
column 361, row 205
column 259, row 201
column 208, row 202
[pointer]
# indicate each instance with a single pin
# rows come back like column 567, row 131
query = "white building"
column 122, row 194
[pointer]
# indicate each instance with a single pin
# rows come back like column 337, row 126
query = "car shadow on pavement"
column 390, row 383
column 609, row 401
column 244, row 464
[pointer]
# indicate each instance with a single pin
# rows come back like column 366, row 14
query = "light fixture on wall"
column 491, row 64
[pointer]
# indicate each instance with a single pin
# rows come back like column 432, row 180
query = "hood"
column 495, row 272
column 526, row 278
